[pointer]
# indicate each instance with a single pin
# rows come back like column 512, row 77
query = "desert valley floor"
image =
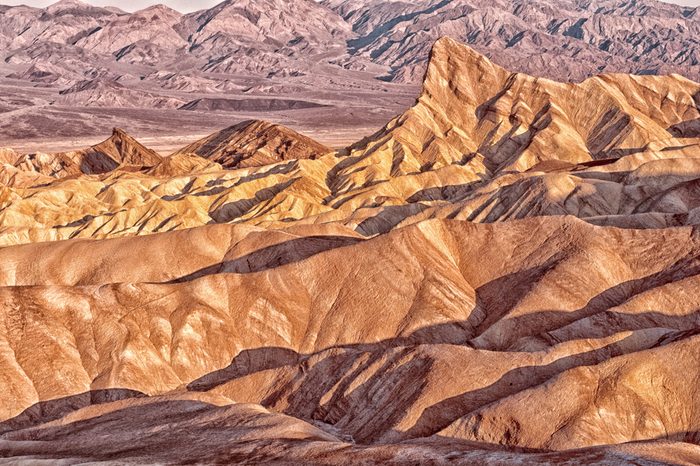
column 506, row 273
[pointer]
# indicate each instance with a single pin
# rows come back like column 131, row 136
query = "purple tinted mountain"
column 350, row 64
column 147, row 36
column 566, row 40
column 562, row 39
column 108, row 93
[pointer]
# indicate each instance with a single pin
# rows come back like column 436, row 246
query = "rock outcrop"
column 254, row 144
column 567, row 40
column 118, row 150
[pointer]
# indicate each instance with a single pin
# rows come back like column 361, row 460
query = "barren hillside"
column 505, row 273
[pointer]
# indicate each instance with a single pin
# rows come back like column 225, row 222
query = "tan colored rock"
column 455, row 289
column 440, row 308
column 255, row 143
column 182, row 164
column 119, row 150
column 8, row 156
column 477, row 114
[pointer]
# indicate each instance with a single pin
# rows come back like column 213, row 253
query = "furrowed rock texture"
column 568, row 40
column 474, row 112
column 565, row 40
column 506, row 273
column 599, row 323
column 481, row 144
column 117, row 151
column 254, row 144
column 357, row 58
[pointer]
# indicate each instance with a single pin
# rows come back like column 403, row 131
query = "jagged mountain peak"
column 460, row 65
column 125, row 150
column 565, row 40
column 507, row 273
column 60, row 4
column 119, row 150
column 273, row 21
column 159, row 12
column 75, row 7
column 158, row 7
column 474, row 112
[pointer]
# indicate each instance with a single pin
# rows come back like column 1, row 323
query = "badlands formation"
column 506, row 273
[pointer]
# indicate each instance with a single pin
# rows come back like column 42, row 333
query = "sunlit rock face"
column 505, row 273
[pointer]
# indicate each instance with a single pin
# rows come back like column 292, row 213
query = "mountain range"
column 569, row 40
column 349, row 64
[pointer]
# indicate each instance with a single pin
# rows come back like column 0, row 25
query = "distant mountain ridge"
column 565, row 40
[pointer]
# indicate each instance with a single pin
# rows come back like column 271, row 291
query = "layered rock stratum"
column 118, row 151
column 567, row 39
column 503, row 274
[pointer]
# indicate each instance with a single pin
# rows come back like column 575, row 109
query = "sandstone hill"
column 254, row 144
column 118, row 150
column 481, row 144
column 504, row 274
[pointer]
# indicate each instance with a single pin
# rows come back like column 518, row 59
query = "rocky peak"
column 76, row 8
column 126, row 150
column 460, row 71
column 159, row 12
column 256, row 143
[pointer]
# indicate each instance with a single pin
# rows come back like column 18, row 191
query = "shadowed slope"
column 186, row 428
column 438, row 287
column 481, row 144
column 474, row 112
column 256, row 143
column 427, row 296
column 119, row 150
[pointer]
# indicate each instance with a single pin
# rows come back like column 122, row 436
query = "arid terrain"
column 505, row 273
column 336, row 69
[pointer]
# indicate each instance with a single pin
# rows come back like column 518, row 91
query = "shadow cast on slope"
column 162, row 431
column 324, row 385
column 356, row 44
column 276, row 255
column 52, row 410
column 401, row 378
column 236, row 209
column 388, row 218
column 342, row 386
column 493, row 306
